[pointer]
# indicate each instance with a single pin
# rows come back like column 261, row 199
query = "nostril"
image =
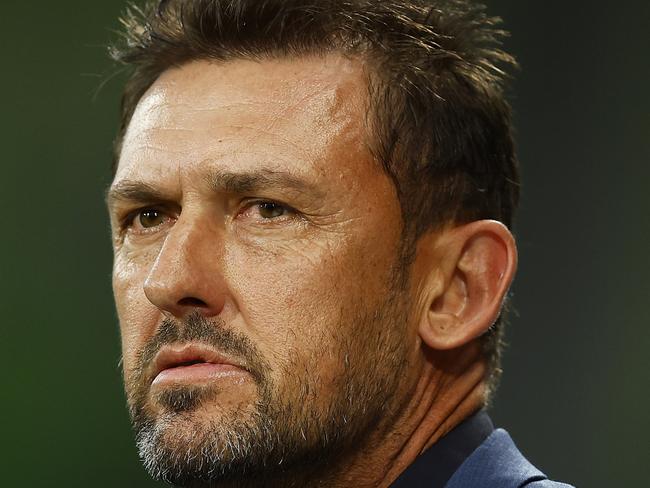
column 192, row 302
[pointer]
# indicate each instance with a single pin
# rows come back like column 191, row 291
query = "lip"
column 192, row 362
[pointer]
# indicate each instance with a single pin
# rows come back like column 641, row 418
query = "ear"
column 468, row 278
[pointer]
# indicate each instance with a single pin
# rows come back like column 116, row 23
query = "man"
column 310, row 216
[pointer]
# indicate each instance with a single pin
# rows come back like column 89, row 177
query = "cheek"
column 284, row 298
column 137, row 316
column 299, row 303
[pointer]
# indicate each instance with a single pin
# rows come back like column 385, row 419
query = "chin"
column 201, row 435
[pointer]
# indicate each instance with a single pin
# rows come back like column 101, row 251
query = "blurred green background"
column 575, row 390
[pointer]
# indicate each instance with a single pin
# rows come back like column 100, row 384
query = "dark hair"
column 438, row 121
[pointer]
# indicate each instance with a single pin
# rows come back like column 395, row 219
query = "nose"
column 186, row 276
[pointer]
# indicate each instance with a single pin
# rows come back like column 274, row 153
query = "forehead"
column 304, row 114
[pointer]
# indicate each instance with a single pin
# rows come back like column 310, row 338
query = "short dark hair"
column 439, row 122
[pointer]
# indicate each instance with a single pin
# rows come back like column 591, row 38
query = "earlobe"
column 475, row 268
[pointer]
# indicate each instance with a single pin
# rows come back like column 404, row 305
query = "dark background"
column 575, row 390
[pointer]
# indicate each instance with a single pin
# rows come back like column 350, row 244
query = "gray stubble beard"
column 282, row 439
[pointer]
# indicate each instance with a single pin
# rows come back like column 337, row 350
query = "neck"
column 450, row 387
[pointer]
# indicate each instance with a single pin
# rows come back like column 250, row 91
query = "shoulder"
column 498, row 463
column 546, row 484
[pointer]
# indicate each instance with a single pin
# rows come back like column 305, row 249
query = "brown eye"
column 270, row 210
column 150, row 218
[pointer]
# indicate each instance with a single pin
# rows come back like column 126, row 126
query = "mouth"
column 191, row 364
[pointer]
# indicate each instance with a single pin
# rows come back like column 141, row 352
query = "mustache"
column 212, row 332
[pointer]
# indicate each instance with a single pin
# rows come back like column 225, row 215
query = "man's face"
column 257, row 274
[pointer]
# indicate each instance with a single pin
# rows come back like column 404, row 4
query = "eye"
column 272, row 210
column 150, row 218
column 268, row 212
column 146, row 219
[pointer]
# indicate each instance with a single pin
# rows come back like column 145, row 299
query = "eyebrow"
column 218, row 182
column 133, row 191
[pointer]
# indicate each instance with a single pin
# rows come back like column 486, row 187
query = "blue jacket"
column 474, row 455
column 497, row 463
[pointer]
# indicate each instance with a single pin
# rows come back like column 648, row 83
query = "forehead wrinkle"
column 179, row 117
column 240, row 182
column 334, row 95
column 217, row 101
column 164, row 102
column 159, row 148
column 316, row 95
column 268, row 131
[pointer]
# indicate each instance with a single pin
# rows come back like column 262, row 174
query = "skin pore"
column 250, row 219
